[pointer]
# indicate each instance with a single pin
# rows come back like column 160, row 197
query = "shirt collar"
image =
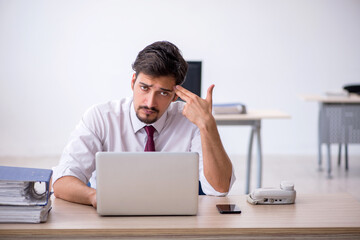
column 138, row 125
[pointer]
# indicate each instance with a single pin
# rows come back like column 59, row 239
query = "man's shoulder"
column 176, row 107
column 110, row 107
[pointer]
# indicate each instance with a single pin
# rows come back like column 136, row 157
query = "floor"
column 301, row 170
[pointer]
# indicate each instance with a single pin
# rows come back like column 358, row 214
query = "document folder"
column 17, row 186
column 24, row 194
column 229, row 108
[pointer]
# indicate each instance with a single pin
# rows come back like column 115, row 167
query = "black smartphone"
column 228, row 208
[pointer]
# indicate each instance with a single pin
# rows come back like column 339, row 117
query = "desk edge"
column 179, row 232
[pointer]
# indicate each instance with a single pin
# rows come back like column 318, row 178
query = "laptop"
column 147, row 183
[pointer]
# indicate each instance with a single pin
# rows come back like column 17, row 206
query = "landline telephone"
column 284, row 195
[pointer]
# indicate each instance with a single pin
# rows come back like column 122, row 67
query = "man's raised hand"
column 196, row 109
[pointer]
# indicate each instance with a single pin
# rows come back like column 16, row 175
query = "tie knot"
column 150, row 130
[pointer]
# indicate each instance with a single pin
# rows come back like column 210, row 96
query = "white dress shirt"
column 114, row 127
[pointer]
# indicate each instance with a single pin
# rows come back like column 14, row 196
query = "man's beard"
column 147, row 120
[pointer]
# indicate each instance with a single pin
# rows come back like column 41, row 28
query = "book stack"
column 337, row 93
column 229, row 108
column 24, row 194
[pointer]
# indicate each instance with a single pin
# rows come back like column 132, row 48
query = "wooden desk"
column 252, row 118
column 352, row 98
column 339, row 122
column 331, row 216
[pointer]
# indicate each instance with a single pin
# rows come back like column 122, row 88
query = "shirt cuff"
column 209, row 190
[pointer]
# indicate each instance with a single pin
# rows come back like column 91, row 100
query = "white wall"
column 57, row 58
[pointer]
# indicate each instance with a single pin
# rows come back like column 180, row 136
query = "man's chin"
column 147, row 119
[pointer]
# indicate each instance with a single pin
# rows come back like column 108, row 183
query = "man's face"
column 152, row 96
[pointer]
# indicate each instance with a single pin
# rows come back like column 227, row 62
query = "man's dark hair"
column 161, row 59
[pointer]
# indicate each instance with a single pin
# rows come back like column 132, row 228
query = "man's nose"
column 151, row 100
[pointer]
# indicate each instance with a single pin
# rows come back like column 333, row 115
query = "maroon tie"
column 150, row 146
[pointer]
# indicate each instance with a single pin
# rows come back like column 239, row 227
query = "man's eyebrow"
column 166, row 90
column 163, row 89
column 145, row 84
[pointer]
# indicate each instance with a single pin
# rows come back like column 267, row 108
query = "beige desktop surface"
column 311, row 214
column 253, row 115
column 352, row 98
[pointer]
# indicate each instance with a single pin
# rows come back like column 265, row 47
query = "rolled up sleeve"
column 78, row 158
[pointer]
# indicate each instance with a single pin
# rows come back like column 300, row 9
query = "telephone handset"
column 283, row 195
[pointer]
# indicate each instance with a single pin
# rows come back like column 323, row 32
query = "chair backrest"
column 200, row 190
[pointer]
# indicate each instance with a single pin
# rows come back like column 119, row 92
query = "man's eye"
column 144, row 88
column 164, row 94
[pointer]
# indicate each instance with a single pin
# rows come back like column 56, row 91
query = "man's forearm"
column 217, row 165
column 72, row 189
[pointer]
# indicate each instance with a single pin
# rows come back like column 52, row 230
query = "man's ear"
column 133, row 81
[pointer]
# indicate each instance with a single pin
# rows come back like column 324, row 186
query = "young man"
column 119, row 126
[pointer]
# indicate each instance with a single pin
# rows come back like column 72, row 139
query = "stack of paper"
column 337, row 93
column 229, row 108
column 24, row 194
column 24, row 214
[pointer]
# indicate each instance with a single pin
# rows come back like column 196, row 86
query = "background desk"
column 321, row 216
column 339, row 122
column 253, row 119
